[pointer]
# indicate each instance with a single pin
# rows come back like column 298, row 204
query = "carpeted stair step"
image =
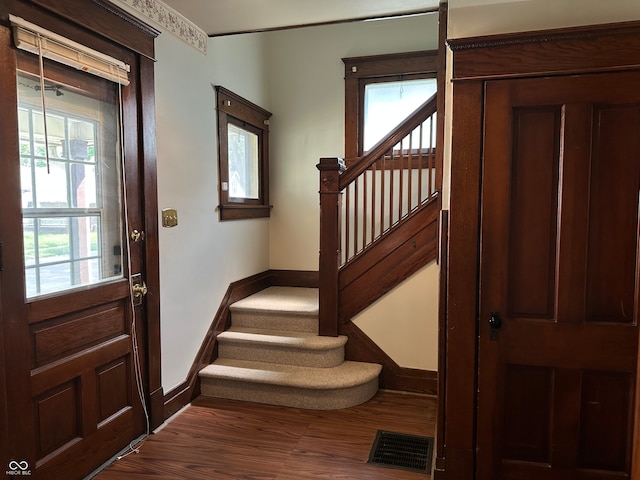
column 290, row 309
column 346, row 385
column 273, row 354
column 275, row 346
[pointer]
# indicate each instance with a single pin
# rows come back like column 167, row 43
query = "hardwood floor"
column 225, row 439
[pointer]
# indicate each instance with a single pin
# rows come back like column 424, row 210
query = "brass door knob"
column 139, row 290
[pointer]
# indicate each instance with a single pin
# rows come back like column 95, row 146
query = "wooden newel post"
column 330, row 169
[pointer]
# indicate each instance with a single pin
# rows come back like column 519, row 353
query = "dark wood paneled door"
column 558, row 333
column 69, row 207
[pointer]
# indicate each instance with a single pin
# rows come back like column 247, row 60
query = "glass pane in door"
column 71, row 185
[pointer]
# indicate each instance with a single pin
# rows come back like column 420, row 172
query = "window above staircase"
column 381, row 91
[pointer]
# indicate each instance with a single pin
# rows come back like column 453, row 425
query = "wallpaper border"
column 166, row 17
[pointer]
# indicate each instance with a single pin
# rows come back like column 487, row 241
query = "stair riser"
column 272, row 355
column 277, row 321
column 285, row 356
column 290, row 396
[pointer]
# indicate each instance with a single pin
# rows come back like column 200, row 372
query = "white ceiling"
column 221, row 17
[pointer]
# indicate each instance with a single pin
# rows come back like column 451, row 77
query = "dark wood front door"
column 559, row 278
column 69, row 207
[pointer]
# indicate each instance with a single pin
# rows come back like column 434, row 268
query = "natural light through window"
column 244, row 174
column 243, row 157
column 70, row 198
column 387, row 104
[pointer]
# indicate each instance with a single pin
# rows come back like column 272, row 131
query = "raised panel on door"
column 72, row 397
column 559, row 266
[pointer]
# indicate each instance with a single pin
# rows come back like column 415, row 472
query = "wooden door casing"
column 559, row 243
column 477, row 60
column 68, row 363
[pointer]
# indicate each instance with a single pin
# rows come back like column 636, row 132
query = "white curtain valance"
column 32, row 38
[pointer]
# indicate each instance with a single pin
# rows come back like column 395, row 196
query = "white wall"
column 306, row 77
column 201, row 256
column 405, row 321
column 298, row 75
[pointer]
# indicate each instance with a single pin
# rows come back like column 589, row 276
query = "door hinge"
column 1, row 263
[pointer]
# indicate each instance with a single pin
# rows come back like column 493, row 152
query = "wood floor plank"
column 300, row 467
column 226, row 439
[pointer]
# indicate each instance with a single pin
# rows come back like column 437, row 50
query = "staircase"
column 273, row 354
column 378, row 218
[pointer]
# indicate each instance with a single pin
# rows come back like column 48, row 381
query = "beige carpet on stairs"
column 272, row 354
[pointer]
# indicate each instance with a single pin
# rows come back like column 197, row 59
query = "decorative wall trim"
column 541, row 36
column 166, row 17
column 563, row 51
column 127, row 17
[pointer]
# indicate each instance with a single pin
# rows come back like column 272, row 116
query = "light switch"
column 169, row 217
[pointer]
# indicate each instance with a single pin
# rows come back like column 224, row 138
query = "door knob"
column 139, row 290
column 494, row 321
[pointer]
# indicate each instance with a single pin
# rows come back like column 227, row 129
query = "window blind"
column 32, row 38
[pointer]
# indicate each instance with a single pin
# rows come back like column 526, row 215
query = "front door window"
column 71, row 209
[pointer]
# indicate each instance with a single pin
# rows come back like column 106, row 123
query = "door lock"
column 494, row 324
column 138, row 289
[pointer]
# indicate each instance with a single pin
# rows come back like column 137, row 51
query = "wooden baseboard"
column 393, row 377
column 177, row 398
column 359, row 347
column 439, row 474
column 413, row 380
column 156, row 410
column 181, row 395
column 294, row 278
column 459, row 464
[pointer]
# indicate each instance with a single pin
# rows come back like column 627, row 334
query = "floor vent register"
column 402, row 451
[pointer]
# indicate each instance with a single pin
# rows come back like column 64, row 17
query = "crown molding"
column 562, row 51
column 167, row 18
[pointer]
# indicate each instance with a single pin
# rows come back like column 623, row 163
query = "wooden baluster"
column 391, row 179
column 401, row 178
column 410, row 175
column 356, row 215
column 431, row 159
column 330, row 169
column 373, row 201
column 347, row 224
column 420, row 166
column 365, row 203
column 383, row 182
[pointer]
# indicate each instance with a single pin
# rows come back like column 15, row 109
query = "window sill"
column 239, row 211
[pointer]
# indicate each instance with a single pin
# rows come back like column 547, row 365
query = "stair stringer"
column 378, row 270
column 360, row 348
column 392, row 259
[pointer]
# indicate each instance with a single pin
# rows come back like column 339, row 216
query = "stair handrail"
column 428, row 108
column 335, row 177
